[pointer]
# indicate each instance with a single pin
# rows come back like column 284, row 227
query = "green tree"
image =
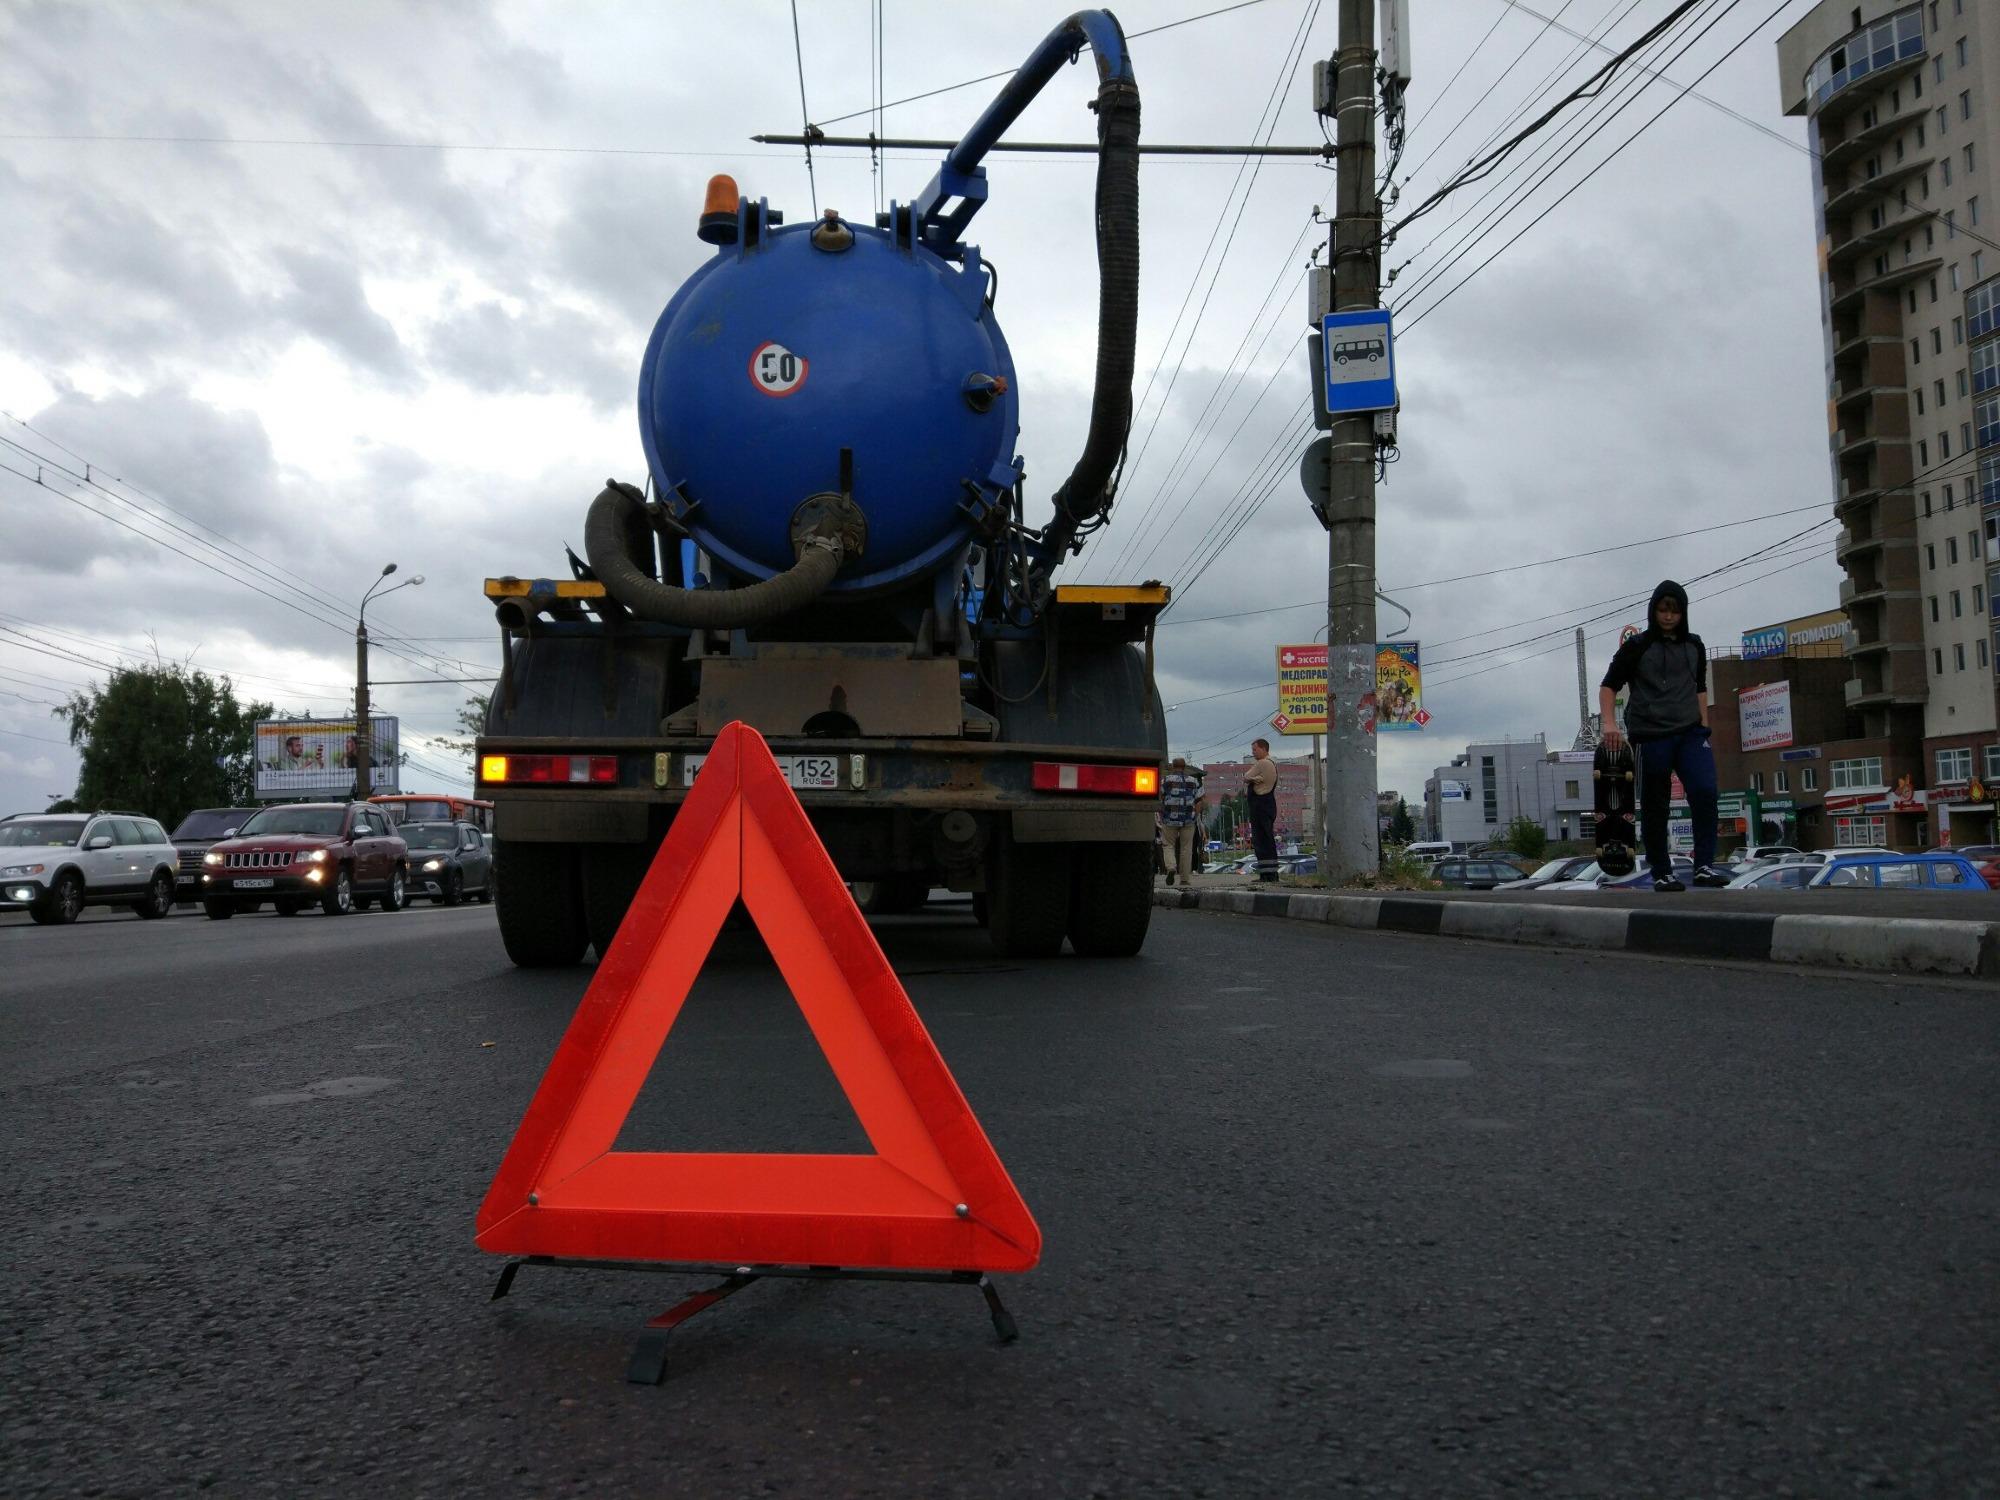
column 1527, row 838
column 1402, row 827
column 471, row 723
column 161, row 740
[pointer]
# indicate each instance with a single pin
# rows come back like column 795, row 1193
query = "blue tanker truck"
column 833, row 546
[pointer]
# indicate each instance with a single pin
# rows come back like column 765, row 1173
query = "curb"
column 1891, row 945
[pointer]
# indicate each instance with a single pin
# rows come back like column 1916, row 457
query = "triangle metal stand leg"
column 649, row 1356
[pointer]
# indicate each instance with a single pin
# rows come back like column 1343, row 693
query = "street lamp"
column 363, row 735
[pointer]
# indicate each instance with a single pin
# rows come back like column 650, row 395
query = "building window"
column 1945, row 162
column 1573, row 790
column 1950, row 550
column 1944, row 446
column 1951, row 226
column 1860, row 833
column 1978, row 600
column 1989, row 478
column 1916, row 352
column 1857, row 775
column 1978, row 264
column 1958, row 658
column 1972, row 545
column 1934, row 609
column 1965, row 105
column 1912, row 295
column 1808, row 778
column 1781, row 781
column 1986, row 420
column 1992, row 757
column 1985, row 359
column 1957, row 324
column 1944, row 119
column 1927, row 505
column 1960, row 49
column 1934, row 293
column 1937, row 341
column 1968, row 156
column 1955, row 765
column 1972, row 210
column 1923, row 453
column 1757, row 781
column 1957, row 605
column 1930, row 556
column 1940, row 392
column 1920, row 401
column 1937, row 669
column 1982, row 651
column 1965, row 436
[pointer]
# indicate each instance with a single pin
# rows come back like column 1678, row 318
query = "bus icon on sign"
column 1371, row 350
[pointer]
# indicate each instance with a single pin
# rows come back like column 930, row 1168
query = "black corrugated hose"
column 604, row 543
column 1087, row 491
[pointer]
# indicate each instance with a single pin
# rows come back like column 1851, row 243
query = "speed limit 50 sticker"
column 775, row 370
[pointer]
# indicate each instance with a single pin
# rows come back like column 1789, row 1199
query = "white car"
column 1776, row 875
column 55, row 864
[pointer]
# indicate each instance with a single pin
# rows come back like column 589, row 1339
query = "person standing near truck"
column 1181, row 804
column 1666, row 718
column 1260, row 788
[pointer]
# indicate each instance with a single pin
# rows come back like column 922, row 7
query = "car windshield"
column 429, row 836
column 39, row 833
column 324, row 821
column 1550, row 870
column 211, row 822
column 413, row 812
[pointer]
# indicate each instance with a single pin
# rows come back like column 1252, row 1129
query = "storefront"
column 1964, row 813
column 1895, row 817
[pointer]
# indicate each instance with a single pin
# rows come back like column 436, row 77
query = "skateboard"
column 1611, row 780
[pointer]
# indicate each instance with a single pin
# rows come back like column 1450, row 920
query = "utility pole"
column 362, row 736
column 1349, row 842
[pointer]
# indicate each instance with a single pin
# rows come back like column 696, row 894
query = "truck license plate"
column 264, row 884
column 811, row 771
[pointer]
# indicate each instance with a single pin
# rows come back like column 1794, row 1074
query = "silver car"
column 55, row 864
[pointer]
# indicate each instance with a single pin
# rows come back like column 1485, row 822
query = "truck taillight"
column 545, row 770
column 1129, row 781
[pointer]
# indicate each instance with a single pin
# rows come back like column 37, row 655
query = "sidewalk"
column 1899, row 932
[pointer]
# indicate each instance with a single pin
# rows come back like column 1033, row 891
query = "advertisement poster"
column 1399, row 687
column 1301, row 690
column 1765, row 714
column 299, row 758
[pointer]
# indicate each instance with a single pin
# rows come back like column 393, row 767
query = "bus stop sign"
column 1359, row 352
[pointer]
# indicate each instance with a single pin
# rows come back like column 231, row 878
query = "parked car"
column 1775, row 875
column 1569, row 867
column 1593, row 878
column 1752, row 852
column 449, row 861
column 198, row 832
column 1467, row 874
column 1427, row 849
column 341, row 855
column 1903, row 872
column 56, row 864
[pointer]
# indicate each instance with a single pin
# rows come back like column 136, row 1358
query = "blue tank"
column 798, row 341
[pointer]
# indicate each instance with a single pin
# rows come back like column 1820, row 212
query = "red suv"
column 340, row 855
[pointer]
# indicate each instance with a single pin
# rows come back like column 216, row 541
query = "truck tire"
column 611, row 876
column 1028, row 898
column 541, row 904
column 1113, row 899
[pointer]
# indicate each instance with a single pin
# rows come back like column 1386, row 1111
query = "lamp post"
column 363, row 735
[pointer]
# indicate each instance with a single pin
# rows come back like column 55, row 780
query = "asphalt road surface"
column 1325, row 1212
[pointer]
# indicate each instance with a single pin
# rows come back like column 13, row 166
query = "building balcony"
column 1859, row 195
column 1849, row 545
column 1868, row 240
column 1846, row 91
column 1846, row 396
column 1890, row 281
column 1851, row 148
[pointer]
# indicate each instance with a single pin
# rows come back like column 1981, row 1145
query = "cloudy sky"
column 315, row 288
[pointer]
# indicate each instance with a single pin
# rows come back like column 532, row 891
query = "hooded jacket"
column 1664, row 673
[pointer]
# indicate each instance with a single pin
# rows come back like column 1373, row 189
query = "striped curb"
column 1892, row 945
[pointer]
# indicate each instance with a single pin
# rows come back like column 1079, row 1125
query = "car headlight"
column 317, row 857
column 211, row 858
column 433, row 864
column 15, row 870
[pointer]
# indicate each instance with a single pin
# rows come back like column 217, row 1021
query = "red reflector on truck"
column 1062, row 776
column 546, row 770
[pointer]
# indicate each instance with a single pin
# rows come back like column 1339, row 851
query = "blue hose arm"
column 960, row 183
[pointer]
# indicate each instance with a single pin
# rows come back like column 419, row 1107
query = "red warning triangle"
column 933, row 1196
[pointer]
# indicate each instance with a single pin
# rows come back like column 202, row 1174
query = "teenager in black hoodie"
column 1666, row 718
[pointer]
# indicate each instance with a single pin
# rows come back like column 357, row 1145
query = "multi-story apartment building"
column 1900, row 105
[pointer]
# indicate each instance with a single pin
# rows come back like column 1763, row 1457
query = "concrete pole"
column 363, row 737
column 1318, row 785
column 1348, row 846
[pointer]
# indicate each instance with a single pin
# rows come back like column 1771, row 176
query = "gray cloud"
column 546, row 350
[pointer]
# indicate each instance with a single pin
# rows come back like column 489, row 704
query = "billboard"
column 1765, row 714
column 1453, row 791
column 1823, row 634
column 315, row 757
column 1301, row 690
column 1399, row 687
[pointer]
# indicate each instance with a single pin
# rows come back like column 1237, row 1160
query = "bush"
column 1527, row 838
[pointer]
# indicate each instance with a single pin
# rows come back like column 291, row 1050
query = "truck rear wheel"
column 1113, row 899
column 541, row 904
column 611, row 877
column 1028, row 898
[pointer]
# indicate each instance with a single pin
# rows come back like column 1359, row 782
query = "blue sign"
column 1360, row 355
column 1770, row 641
column 1812, row 754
